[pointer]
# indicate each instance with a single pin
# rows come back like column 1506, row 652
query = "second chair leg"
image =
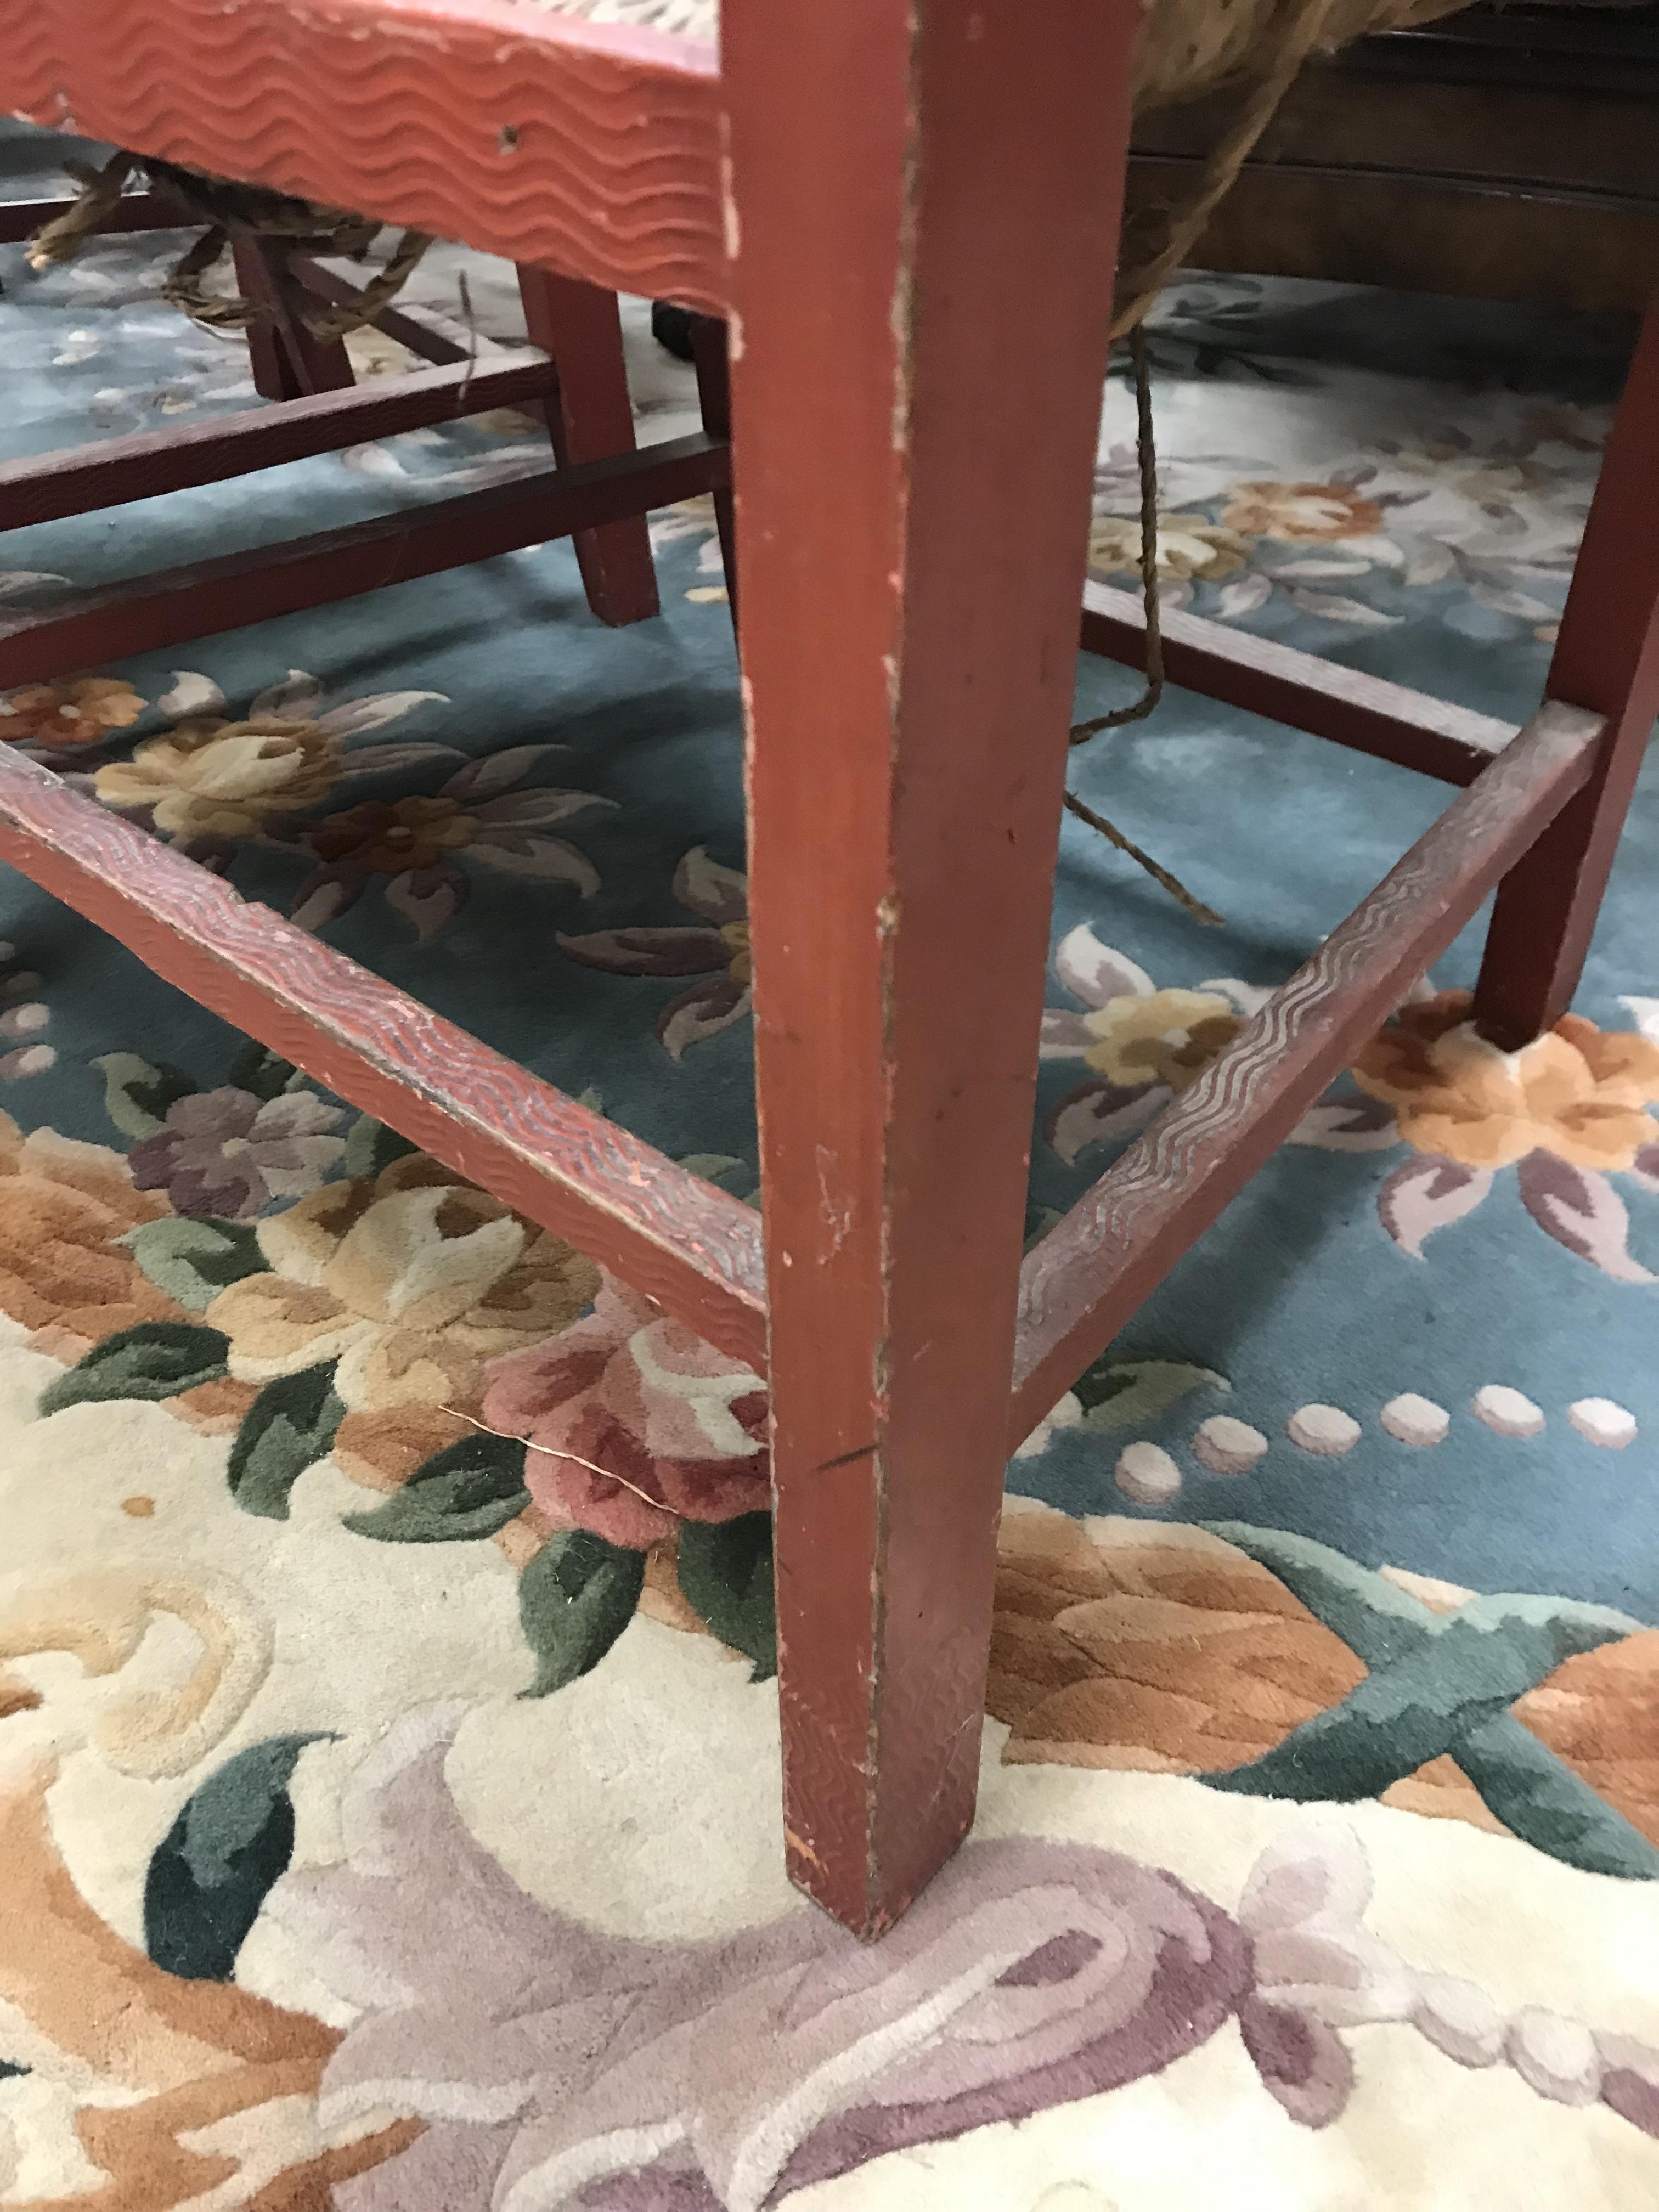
column 592, row 418
column 710, row 344
column 927, row 220
column 289, row 359
column 1607, row 659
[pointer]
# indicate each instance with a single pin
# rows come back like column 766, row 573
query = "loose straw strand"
column 608, row 1473
column 61, row 239
column 217, row 205
column 1146, row 457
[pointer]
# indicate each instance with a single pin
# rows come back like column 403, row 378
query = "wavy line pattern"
column 592, row 151
column 29, row 72
column 1297, row 1042
column 681, row 1240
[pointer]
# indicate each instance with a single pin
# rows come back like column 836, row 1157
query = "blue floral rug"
column 388, row 1800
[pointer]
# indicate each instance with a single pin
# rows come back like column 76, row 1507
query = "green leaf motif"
column 1441, row 1684
column 725, row 1573
column 372, row 1147
column 288, row 1427
column 576, row 1598
column 469, row 1490
column 157, row 1359
column 213, row 1869
column 193, row 1258
column 265, row 1074
column 137, row 1092
column 1127, row 1394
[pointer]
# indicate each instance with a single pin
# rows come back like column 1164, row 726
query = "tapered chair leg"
column 593, row 418
column 288, row 358
column 926, row 221
column 1607, row 658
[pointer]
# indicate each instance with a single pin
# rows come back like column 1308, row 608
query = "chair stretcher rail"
column 682, row 1240
column 1364, row 713
column 1085, row 1279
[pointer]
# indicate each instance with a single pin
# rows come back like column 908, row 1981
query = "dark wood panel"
column 1612, row 49
column 1546, row 136
column 224, row 593
column 116, row 470
column 1527, row 245
column 1364, row 713
column 1085, row 1279
column 681, row 1240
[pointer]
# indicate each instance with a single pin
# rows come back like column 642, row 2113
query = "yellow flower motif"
column 1169, row 1037
column 1300, row 514
column 411, row 1280
column 214, row 778
column 1187, row 546
column 735, row 934
column 1578, row 1091
column 68, row 714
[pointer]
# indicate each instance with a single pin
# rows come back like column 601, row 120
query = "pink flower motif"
column 679, row 1429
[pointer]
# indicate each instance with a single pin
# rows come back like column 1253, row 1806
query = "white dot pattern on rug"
column 1325, row 1431
column 1507, row 1412
column 1414, row 1420
column 1146, row 1473
column 1555, row 2056
column 1603, row 1423
column 1228, row 1447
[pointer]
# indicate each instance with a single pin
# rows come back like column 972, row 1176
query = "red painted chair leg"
column 927, row 216
column 289, row 360
column 710, row 341
column 1607, row 659
column 578, row 324
column 273, row 377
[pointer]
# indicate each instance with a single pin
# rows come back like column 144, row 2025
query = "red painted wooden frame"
column 680, row 1240
column 906, row 209
column 589, row 149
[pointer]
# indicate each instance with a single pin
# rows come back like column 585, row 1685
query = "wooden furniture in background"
column 907, row 211
column 1505, row 153
column 572, row 375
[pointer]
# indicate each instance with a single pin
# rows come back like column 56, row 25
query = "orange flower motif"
column 1300, row 514
column 735, row 934
column 388, row 839
column 64, row 1208
column 67, row 715
column 1578, row 1092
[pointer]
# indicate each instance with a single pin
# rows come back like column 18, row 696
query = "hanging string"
column 1146, row 456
